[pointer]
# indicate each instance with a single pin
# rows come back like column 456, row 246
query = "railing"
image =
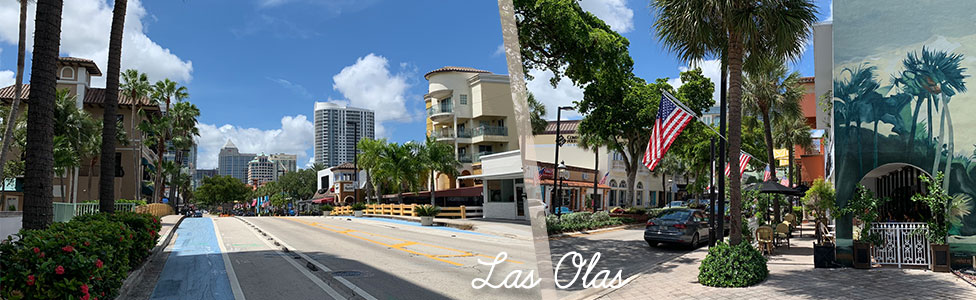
column 464, row 133
column 439, row 109
column 462, row 211
column 490, row 130
column 477, row 156
column 64, row 212
column 464, row 158
column 904, row 243
column 442, row 134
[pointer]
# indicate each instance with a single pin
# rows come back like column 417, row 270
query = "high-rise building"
column 261, row 170
column 337, row 130
column 200, row 174
column 232, row 162
column 289, row 161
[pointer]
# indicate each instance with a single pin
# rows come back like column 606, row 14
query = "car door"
column 702, row 224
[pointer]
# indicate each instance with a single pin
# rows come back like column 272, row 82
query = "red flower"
column 84, row 288
column 85, row 297
column 30, row 279
column 59, row 270
column 121, row 237
column 152, row 232
column 98, row 263
column 130, row 235
column 68, row 248
column 42, row 255
column 87, row 244
column 37, row 250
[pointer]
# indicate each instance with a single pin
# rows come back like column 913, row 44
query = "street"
column 334, row 257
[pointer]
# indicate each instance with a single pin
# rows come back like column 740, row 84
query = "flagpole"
column 697, row 117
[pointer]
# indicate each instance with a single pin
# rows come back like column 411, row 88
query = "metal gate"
column 904, row 243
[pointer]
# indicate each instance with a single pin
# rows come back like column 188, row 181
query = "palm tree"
column 184, row 128
column 154, row 128
column 697, row 29
column 370, row 153
column 857, row 97
column 537, row 113
column 39, row 158
column 8, row 132
column 76, row 138
column 136, row 85
column 399, row 167
column 770, row 94
column 165, row 91
column 789, row 133
column 106, row 184
column 435, row 157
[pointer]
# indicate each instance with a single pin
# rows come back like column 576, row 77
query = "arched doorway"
column 466, row 182
column 348, row 200
column 445, row 182
column 900, row 220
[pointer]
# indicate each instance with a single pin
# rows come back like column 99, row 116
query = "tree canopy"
column 218, row 190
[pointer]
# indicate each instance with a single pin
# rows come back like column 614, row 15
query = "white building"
column 337, row 130
column 503, row 186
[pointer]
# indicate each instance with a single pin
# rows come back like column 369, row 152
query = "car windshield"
column 675, row 215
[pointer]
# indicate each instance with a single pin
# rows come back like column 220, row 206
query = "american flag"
column 671, row 120
column 767, row 174
column 743, row 163
column 604, row 179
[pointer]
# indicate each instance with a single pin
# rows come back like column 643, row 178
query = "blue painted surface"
column 195, row 268
column 401, row 222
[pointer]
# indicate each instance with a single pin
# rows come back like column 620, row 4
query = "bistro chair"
column 783, row 233
column 764, row 236
column 791, row 220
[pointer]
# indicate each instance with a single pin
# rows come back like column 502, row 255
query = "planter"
column 824, row 256
column 326, row 213
column 940, row 258
column 427, row 221
column 357, row 213
column 862, row 255
column 638, row 218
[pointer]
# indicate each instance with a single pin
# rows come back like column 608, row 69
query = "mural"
column 900, row 96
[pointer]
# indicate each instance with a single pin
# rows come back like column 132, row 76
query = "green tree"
column 435, row 157
column 699, row 29
column 399, row 167
column 13, row 112
column 165, row 91
column 77, row 137
column 297, row 185
column 789, row 133
column 106, row 184
column 537, row 115
column 370, row 153
column 218, row 190
column 184, row 128
column 136, row 86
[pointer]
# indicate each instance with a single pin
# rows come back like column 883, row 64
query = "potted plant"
column 937, row 200
column 820, row 200
column 427, row 213
column 864, row 208
column 327, row 210
column 357, row 209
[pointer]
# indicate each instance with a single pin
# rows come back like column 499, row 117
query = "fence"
column 155, row 209
column 904, row 243
column 64, row 212
column 462, row 211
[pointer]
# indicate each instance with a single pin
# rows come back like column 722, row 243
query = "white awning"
column 509, row 175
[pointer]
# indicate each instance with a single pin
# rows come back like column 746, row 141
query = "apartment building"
column 262, row 169
column 231, row 162
column 472, row 110
column 288, row 161
column 337, row 130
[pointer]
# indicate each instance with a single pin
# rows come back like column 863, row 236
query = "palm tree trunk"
column 136, row 144
column 789, row 174
column 948, row 116
column 768, row 131
column 736, row 56
column 928, row 99
column 39, row 160
column 8, row 133
column 432, row 188
column 875, row 144
column 106, row 182
column 178, row 157
column 91, row 172
column 664, row 188
column 158, row 192
column 938, row 142
column 911, row 136
column 860, row 148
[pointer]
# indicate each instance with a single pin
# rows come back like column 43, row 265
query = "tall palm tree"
column 398, row 166
column 856, row 97
column 154, row 128
column 76, row 137
column 184, row 128
column 370, row 153
column 136, row 85
column 39, row 158
column 698, row 29
column 8, row 132
column 435, row 157
column 165, row 91
column 106, row 183
column 789, row 133
column 537, row 113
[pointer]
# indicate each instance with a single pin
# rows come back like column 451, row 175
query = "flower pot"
column 326, row 213
column 862, row 255
column 357, row 213
column 940, row 258
column 427, row 221
column 824, row 256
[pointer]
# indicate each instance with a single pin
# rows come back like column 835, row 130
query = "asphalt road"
column 336, row 258
column 624, row 250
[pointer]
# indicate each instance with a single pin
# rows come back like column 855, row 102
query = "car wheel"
column 652, row 244
column 694, row 241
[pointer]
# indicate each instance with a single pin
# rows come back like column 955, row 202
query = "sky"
column 256, row 67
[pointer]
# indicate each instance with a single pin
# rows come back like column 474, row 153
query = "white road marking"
column 235, row 285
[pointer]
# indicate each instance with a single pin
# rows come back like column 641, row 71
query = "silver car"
column 679, row 226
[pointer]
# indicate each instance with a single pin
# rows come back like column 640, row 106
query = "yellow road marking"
column 398, row 246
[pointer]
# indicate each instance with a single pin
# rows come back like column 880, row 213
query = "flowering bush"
column 86, row 258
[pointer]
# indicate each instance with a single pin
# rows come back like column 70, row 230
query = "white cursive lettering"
column 513, row 280
column 580, row 263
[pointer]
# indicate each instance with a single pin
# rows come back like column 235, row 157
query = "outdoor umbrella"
column 773, row 187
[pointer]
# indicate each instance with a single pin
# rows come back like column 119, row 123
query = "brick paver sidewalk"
column 792, row 276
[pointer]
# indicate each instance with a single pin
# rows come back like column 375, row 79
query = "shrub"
column 426, row 210
column 327, row 207
column 136, row 202
column 358, row 206
column 636, row 210
column 732, row 266
column 88, row 256
column 580, row 221
column 654, row 212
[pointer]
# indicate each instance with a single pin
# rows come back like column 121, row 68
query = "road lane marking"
column 318, row 281
column 235, row 285
column 399, row 246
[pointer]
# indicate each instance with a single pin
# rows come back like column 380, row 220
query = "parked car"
column 679, row 226
column 728, row 219
column 198, row 214
column 676, row 203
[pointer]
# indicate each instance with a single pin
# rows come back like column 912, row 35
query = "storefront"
column 503, row 186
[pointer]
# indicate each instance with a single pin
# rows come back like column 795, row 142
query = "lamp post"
column 562, row 173
column 355, row 159
column 559, row 143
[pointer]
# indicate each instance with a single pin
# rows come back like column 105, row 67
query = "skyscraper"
column 232, row 162
column 288, row 161
column 337, row 130
column 261, row 170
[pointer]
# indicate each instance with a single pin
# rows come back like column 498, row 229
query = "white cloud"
column 710, row 68
column 298, row 89
column 830, row 17
column 562, row 95
column 294, row 137
column 85, row 33
column 6, row 76
column 613, row 12
column 500, row 50
column 369, row 84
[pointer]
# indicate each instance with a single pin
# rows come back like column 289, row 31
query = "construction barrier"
column 462, row 211
column 155, row 209
column 64, row 212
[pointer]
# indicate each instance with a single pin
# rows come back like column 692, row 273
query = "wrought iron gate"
column 904, row 243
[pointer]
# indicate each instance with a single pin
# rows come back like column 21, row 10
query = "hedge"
column 732, row 266
column 86, row 258
column 579, row 221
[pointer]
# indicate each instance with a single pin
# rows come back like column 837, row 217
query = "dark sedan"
column 679, row 226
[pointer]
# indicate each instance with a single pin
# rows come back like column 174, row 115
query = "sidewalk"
column 792, row 276
column 515, row 229
column 168, row 223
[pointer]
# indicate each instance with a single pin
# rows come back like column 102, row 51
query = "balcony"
column 490, row 130
column 477, row 156
column 442, row 134
column 439, row 113
column 464, row 158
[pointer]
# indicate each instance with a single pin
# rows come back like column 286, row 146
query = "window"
column 618, row 156
column 463, row 99
column 119, row 171
column 484, row 148
column 640, row 194
column 613, row 194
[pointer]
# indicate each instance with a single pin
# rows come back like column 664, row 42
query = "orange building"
column 811, row 163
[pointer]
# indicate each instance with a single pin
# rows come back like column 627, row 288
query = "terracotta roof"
column 454, row 69
column 344, row 166
column 92, row 96
column 87, row 63
column 568, row 127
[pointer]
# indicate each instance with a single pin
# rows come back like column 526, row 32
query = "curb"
column 137, row 275
column 640, row 273
column 588, row 232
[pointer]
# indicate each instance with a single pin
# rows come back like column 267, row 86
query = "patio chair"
column 792, row 221
column 764, row 237
column 825, row 233
column 782, row 233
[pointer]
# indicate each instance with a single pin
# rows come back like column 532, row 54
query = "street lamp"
column 559, row 142
column 355, row 159
column 563, row 174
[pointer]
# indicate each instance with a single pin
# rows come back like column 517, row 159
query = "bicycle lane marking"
column 195, row 268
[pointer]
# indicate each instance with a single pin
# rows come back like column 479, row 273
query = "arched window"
column 623, row 193
column 613, row 193
column 640, row 194
column 67, row 73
